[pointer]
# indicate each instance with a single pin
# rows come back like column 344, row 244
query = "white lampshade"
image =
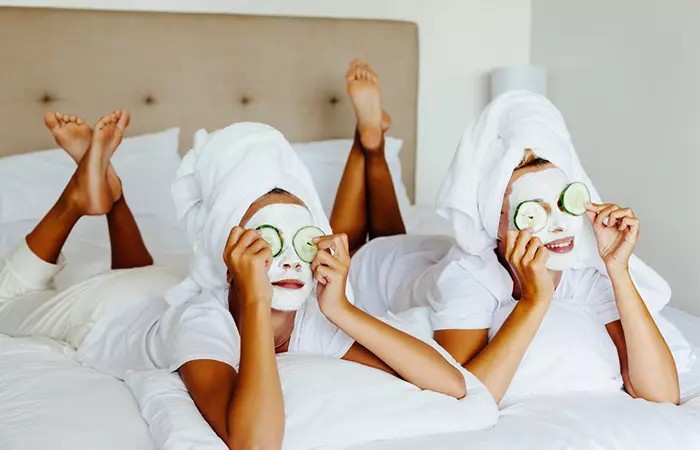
column 529, row 78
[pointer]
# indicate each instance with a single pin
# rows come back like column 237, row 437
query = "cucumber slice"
column 272, row 236
column 303, row 243
column 574, row 198
column 530, row 214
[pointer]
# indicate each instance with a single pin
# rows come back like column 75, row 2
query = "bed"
column 192, row 71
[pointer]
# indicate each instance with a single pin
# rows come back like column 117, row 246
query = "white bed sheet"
column 47, row 400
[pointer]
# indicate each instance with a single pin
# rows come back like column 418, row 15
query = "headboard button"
column 47, row 98
column 334, row 100
column 149, row 100
column 245, row 100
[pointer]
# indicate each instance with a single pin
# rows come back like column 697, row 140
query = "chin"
column 289, row 300
column 561, row 262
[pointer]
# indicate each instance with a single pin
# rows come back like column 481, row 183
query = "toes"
column 80, row 121
column 72, row 119
column 124, row 118
column 50, row 119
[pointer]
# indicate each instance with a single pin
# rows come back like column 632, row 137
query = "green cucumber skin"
column 297, row 250
column 517, row 210
column 279, row 236
column 562, row 203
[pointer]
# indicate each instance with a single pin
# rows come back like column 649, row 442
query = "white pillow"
column 31, row 183
column 326, row 162
column 328, row 402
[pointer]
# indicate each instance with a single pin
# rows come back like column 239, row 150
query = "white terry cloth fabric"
column 219, row 178
column 472, row 193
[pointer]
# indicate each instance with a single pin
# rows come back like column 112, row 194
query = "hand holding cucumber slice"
column 530, row 214
column 303, row 243
column 574, row 198
column 272, row 236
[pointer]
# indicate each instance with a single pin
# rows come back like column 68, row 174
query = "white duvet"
column 47, row 400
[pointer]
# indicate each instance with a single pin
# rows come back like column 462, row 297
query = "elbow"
column 669, row 395
column 457, row 386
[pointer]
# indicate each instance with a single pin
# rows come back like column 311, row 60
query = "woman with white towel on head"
column 268, row 276
column 540, row 293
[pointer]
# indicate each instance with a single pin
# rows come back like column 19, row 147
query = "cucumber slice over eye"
column 530, row 214
column 303, row 243
column 574, row 198
column 272, row 236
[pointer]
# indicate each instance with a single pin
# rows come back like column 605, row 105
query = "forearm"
column 256, row 411
column 497, row 363
column 128, row 249
column 412, row 359
column 651, row 368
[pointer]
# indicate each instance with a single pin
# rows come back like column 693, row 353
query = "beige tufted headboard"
column 199, row 71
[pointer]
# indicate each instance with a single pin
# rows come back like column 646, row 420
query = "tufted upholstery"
column 199, row 71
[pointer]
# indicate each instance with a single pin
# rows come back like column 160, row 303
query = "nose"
column 288, row 266
column 290, row 261
column 559, row 223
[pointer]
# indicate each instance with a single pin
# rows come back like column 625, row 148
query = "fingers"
column 323, row 258
column 520, row 246
column 595, row 207
column 541, row 257
column 234, row 236
column 511, row 237
column 631, row 224
column 532, row 247
column 336, row 242
column 615, row 216
column 257, row 246
column 604, row 214
column 324, row 275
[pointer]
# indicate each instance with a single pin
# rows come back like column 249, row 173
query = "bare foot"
column 74, row 136
column 363, row 88
column 89, row 191
column 70, row 132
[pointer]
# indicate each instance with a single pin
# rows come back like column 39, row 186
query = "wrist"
column 253, row 302
column 615, row 271
column 537, row 300
column 336, row 311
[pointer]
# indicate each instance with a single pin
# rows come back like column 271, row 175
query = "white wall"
column 460, row 41
column 626, row 75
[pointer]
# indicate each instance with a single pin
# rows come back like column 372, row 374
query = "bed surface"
column 55, row 412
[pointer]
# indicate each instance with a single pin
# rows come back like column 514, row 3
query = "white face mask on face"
column 291, row 278
column 564, row 233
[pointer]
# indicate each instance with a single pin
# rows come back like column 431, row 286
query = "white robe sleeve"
column 22, row 272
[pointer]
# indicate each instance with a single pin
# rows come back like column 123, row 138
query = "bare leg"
column 128, row 249
column 349, row 214
column 366, row 201
column 382, row 205
column 87, row 193
column 76, row 137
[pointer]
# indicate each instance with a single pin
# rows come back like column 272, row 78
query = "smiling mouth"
column 289, row 284
column 561, row 246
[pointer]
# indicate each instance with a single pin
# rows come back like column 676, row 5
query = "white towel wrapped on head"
column 218, row 180
column 472, row 194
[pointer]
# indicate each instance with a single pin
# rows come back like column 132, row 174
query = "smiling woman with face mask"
column 556, row 310
column 540, row 293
